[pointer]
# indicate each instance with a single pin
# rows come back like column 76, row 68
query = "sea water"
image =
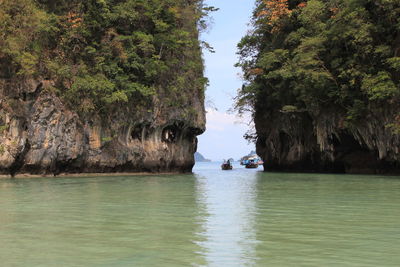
column 242, row 217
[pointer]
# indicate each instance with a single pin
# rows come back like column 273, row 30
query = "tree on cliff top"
column 310, row 55
column 104, row 53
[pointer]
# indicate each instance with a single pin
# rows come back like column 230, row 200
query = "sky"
column 223, row 138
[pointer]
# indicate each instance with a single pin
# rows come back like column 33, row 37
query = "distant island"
column 200, row 158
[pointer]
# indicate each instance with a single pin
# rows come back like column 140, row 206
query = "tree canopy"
column 309, row 55
column 100, row 53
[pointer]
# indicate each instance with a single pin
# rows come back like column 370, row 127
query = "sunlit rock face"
column 41, row 135
column 300, row 141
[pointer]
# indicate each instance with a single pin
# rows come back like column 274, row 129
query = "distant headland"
column 200, row 158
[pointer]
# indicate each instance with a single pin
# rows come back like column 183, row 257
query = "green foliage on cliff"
column 310, row 55
column 3, row 128
column 2, row 149
column 99, row 53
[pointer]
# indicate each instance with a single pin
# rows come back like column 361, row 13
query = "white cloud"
column 224, row 136
column 220, row 121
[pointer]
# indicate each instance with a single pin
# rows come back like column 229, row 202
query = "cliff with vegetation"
column 100, row 85
column 322, row 80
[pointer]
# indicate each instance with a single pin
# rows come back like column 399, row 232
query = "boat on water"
column 226, row 166
column 251, row 159
column 251, row 165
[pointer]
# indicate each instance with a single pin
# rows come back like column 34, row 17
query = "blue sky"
column 224, row 135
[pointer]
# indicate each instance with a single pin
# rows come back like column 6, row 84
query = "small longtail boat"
column 226, row 167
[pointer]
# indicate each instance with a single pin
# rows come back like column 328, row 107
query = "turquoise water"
column 211, row 218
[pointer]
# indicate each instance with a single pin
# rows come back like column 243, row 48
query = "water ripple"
column 212, row 218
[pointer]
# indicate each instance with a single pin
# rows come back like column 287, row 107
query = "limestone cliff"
column 44, row 136
column 300, row 141
column 322, row 83
column 100, row 86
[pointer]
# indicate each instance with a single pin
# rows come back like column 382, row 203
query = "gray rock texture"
column 39, row 134
column 321, row 142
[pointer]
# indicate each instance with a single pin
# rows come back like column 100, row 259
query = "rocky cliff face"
column 300, row 141
column 41, row 135
column 322, row 82
column 100, row 86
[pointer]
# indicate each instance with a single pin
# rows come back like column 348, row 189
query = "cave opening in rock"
column 353, row 155
column 346, row 143
column 25, row 126
column 137, row 132
column 170, row 134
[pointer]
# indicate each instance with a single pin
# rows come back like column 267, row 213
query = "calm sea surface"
column 211, row 218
